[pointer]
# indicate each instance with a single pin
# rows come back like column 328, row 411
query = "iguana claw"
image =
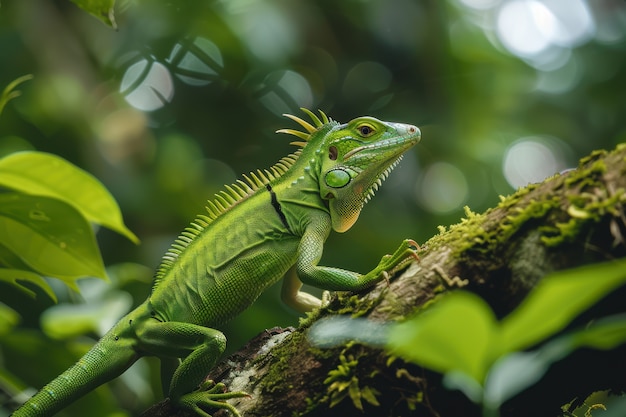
column 251, row 232
column 404, row 255
column 210, row 395
column 400, row 259
column 412, row 243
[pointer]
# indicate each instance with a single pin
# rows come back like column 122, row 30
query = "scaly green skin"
column 254, row 232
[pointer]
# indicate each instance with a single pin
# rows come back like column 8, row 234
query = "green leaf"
column 454, row 335
column 49, row 236
column 11, row 261
column 102, row 9
column 355, row 394
column 13, row 270
column 556, row 300
column 48, row 175
column 369, row 395
column 605, row 333
column 14, row 276
column 460, row 337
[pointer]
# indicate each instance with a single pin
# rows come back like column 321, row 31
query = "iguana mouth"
column 354, row 151
column 409, row 135
column 376, row 145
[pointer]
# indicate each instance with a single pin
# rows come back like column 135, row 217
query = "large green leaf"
column 50, row 236
column 102, row 9
column 556, row 300
column 44, row 174
column 10, row 260
column 456, row 335
column 461, row 338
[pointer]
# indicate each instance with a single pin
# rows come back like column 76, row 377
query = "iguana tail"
column 110, row 357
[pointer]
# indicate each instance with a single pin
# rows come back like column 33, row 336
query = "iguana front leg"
column 329, row 278
column 199, row 348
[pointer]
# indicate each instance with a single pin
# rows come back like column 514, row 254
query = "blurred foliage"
column 46, row 206
column 184, row 96
column 484, row 358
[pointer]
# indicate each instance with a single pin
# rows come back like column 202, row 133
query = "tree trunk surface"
column 569, row 220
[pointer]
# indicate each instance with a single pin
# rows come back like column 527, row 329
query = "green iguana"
column 252, row 234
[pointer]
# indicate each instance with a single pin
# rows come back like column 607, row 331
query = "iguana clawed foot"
column 210, row 395
column 400, row 259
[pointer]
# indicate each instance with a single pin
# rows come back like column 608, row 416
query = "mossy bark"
column 568, row 220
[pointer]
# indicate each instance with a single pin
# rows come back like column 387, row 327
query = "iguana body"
column 253, row 233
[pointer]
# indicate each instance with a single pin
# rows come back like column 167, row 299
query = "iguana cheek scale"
column 253, row 232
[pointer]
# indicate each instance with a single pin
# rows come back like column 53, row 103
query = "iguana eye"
column 365, row 130
column 332, row 153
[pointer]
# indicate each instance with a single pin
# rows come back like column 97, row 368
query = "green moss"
column 275, row 377
column 311, row 404
column 468, row 230
column 310, row 317
column 582, row 199
column 353, row 304
column 565, row 216
column 473, row 235
column 583, row 209
column 587, row 177
column 594, row 155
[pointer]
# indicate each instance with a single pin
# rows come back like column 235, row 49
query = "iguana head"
column 354, row 159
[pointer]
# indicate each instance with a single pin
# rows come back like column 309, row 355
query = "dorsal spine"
column 239, row 191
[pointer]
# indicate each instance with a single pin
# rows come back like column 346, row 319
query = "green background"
column 185, row 96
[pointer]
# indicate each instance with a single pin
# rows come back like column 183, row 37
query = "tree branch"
column 568, row 220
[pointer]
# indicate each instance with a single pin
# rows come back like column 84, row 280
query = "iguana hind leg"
column 199, row 349
column 292, row 295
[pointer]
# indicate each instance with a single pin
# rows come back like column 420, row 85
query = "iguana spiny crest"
column 253, row 233
column 352, row 159
column 349, row 161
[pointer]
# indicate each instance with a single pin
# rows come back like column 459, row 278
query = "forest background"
column 182, row 97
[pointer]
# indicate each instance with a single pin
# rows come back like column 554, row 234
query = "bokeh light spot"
column 536, row 30
column 284, row 91
column 519, row 29
column 480, row 4
column 571, row 22
column 147, row 85
column 530, row 160
column 443, row 188
column 196, row 62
